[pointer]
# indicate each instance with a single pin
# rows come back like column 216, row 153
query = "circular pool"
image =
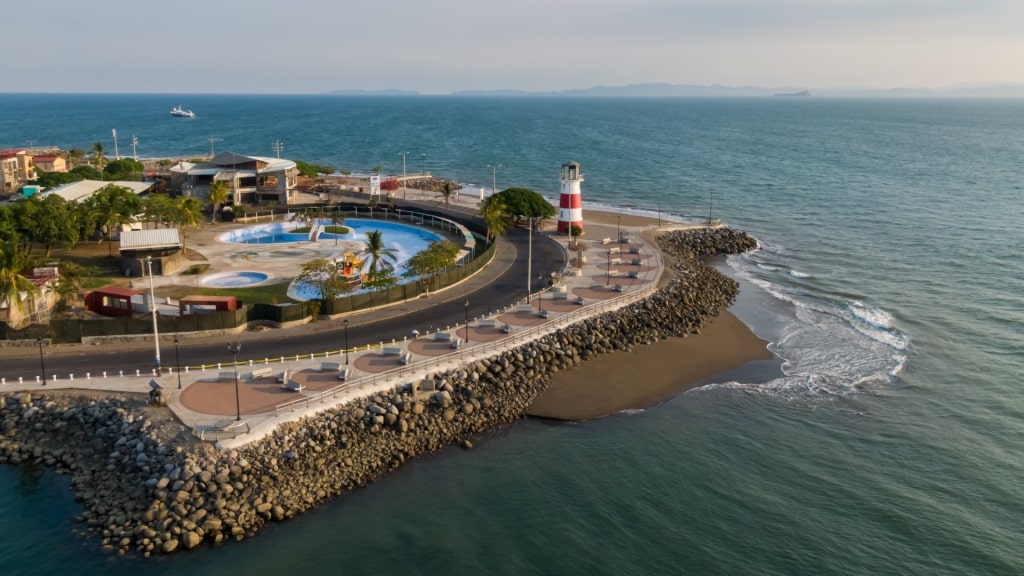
column 234, row 279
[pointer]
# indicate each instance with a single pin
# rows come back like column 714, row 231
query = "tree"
column 495, row 215
column 447, row 189
column 54, row 179
column 189, row 215
column 390, row 185
column 218, row 195
column 13, row 283
column 69, row 283
column 160, row 209
column 124, row 169
column 97, row 155
column 525, row 203
column 86, row 172
column 426, row 263
column 377, row 254
column 381, row 279
column 74, row 157
column 322, row 274
column 57, row 222
column 112, row 206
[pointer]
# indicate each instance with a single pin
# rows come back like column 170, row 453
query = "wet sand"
column 649, row 375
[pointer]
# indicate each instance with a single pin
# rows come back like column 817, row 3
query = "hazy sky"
column 439, row 46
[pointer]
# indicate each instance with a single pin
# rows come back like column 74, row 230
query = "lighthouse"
column 570, row 201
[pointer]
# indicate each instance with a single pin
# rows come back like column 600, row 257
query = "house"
column 50, row 163
column 251, row 179
column 32, row 308
column 16, row 168
column 82, row 190
column 161, row 246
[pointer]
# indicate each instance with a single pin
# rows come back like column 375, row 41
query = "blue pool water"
column 233, row 279
column 280, row 233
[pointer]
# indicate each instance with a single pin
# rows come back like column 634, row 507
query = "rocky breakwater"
column 147, row 487
column 431, row 184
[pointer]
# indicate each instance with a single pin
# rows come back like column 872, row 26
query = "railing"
column 516, row 337
column 233, row 430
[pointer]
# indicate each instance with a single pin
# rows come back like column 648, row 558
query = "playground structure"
column 350, row 268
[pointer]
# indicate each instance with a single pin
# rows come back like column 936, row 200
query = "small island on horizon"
column 800, row 94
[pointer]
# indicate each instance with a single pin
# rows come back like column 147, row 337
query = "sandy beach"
column 651, row 374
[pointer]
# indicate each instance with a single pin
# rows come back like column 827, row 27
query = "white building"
column 252, row 179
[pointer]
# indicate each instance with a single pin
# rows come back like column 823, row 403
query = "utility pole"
column 278, row 146
column 152, row 308
column 211, row 140
column 117, row 156
column 135, row 142
column 405, row 190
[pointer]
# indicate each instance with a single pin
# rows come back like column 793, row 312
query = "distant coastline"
column 800, row 94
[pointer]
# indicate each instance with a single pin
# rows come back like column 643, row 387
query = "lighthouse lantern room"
column 570, row 201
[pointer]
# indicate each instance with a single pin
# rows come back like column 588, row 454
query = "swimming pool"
column 234, row 279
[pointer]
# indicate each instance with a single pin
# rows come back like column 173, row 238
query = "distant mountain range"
column 657, row 90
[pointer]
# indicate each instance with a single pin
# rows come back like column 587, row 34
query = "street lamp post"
column 467, row 320
column 177, row 361
column 711, row 199
column 42, row 366
column 529, row 263
column 405, row 189
column 235, row 349
column 424, row 156
column 152, row 309
column 494, row 178
column 618, row 229
column 345, row 324
column 608, row 275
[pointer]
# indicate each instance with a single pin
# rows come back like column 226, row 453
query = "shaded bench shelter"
column 111, row 301
column 188, row 304
column 163, row 245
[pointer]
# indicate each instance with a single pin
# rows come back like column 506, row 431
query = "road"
column 440, row 309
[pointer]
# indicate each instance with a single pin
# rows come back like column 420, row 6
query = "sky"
column 442, row 46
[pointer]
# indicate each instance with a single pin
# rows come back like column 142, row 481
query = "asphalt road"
column 445, row 308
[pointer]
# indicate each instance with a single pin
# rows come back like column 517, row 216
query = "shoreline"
column 654, row 373
column 649, row 375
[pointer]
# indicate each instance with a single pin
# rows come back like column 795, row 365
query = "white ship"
column 182, row 113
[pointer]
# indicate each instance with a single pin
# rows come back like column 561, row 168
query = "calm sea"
column 889, row 280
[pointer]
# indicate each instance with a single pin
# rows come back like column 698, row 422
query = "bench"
column 293, row 386
column 261, row 373
column 579, row 300
column 330, row 366
column 343, row 374
column 405, row 358
column 618, row 287
column 487, row 323
column 634, row 250
column 614, row 250
column 615, row 261
column 596, row 286
column 623, row 238
column 560, row 296
column 634, row 274
column 560, row 289
column 284, row 376
column 456, row 342
column 524, row 308
column 391, row 351
column 507, row 329
column 606, row 240
column 226, row 376
column 445, row 336
column 635, row 261
column 544, row 313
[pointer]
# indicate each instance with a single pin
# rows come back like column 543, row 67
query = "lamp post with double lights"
column 345, row 324
column 42, row 366
column 494, row 177
column 467, row 321
column 177, row 361
column 235, row 349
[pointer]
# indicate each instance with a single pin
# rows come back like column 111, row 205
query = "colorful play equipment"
column 350, row 267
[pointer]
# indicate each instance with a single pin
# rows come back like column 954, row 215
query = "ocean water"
column 888, row 280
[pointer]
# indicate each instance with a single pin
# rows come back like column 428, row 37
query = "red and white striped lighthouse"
column 570, row 201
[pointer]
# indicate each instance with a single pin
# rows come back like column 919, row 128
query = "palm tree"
column 97, row 155
column 218, row 195
column 446, row 194
column 377, row 254
column 190, row 214
column 12, row 282
column 494, row 212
